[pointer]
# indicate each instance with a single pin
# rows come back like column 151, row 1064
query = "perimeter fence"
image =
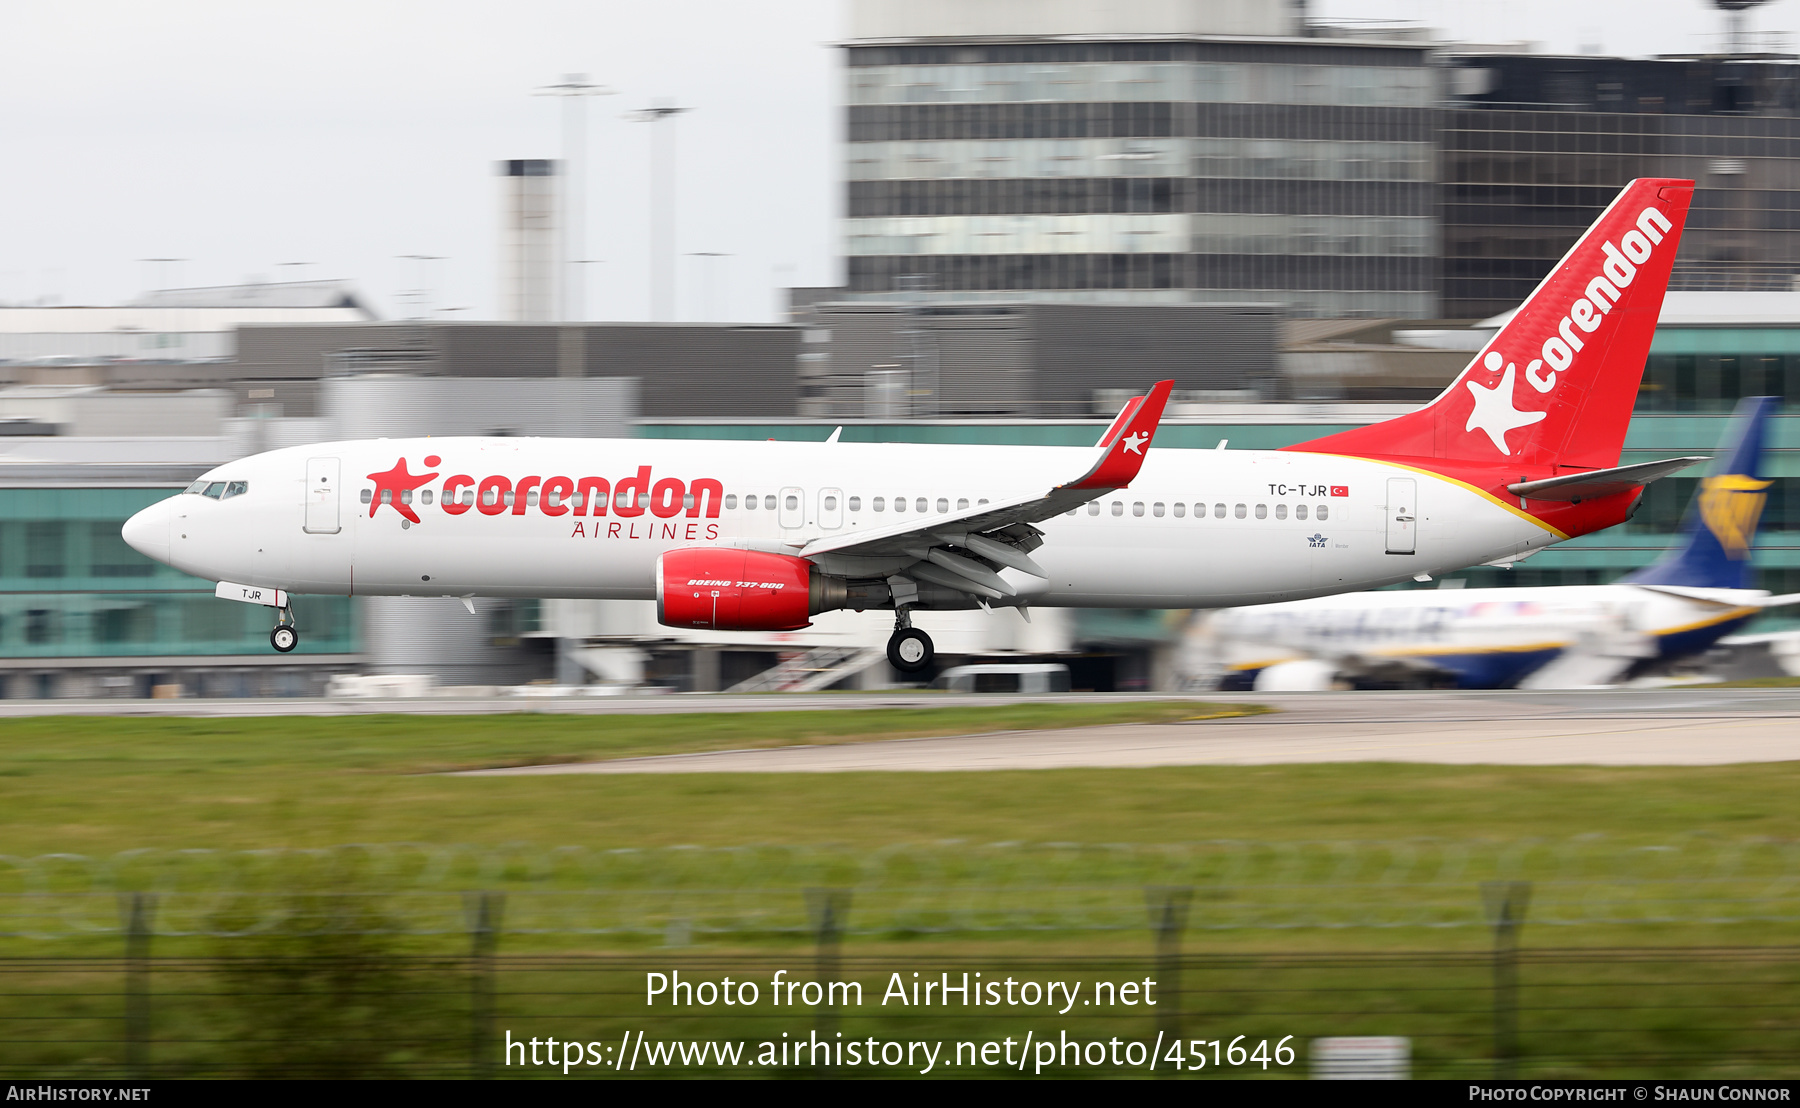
column 401, row 960
column 942, row 888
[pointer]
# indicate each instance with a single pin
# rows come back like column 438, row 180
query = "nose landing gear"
column 909, row 650
column 285, row 636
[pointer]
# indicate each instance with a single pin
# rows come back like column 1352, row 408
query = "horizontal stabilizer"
column 1726, row 598
column 1600, row 482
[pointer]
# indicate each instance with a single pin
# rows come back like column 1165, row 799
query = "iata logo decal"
column 1316, row 540
column 1730, row 506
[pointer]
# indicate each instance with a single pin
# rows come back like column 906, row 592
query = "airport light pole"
column 162, row 265
column 662, row 205
column 574, row 90
column 421, row 292
column 706, row 282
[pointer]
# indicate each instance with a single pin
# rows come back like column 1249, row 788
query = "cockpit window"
column 215, row 490
column 235, row 488
column 198, row 488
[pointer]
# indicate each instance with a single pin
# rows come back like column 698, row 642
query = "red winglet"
column 1119, row 421
column 1127, row 441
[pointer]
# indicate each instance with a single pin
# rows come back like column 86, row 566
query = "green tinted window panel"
column 1725, row 340
column 89, row 624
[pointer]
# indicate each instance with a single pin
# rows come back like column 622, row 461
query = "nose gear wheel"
column 285, row 637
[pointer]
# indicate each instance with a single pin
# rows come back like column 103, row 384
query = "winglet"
column 1127, row 441
column 1119, row 421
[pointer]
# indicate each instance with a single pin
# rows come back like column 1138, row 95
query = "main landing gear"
column 909, row 650
column 285, row 637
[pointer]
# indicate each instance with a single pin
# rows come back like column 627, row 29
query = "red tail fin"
column 1556, row 386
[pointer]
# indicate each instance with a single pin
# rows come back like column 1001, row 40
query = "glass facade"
column 1286, row 173
column 71, row 588
column 1536, row 147
column 1709, row 369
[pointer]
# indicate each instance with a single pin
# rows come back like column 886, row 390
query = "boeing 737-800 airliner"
column 1520, row 452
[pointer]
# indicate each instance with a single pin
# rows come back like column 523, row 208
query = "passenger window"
column 1262, row 511
column 980, row 502
column 367, row 496
column 879, row 504
column 962, row 503
column 1299, row 511
column 1238, row 511
column 856, row 503
column 943, row 504
column 919, row 505
column 1281, row 511
column 406, row 496
column 792, row 501
column 731, row 501
column 387, row 496
column 1118, row 507
column 899, row 503
column 830, row 503
column 507, row 499
column 768, row 501
column 1180, row 510
column 1156, row 509
column 235, row 488
column 687, row 501
column 1137, row 508
column 1324, row 512
column 1093, row 507
column 749, row 503
column 215, row 490
column 531, row 498
column 424, row 496
column 1218, row 511
column 468, row 497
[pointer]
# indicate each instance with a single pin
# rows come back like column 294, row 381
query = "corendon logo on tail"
column 1496, row 410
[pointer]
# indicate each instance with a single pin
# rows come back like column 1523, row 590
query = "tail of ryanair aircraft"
column 1720, row 528
column 1556, row 386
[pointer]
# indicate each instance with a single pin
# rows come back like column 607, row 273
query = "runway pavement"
column 1601, row 727
column 1692, row 725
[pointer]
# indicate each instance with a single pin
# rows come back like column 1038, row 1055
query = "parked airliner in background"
column 1549, row 637
column 1520, row 452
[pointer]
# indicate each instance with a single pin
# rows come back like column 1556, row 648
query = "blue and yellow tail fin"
column 1719, row 530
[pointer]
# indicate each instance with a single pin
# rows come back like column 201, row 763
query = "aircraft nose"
column 147, row 532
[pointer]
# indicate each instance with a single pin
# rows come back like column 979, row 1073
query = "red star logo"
column 397, row 480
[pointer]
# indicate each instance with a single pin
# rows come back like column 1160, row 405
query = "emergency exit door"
column 1402, row 515
column 322, row 496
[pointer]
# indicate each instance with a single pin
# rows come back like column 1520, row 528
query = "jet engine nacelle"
column 729, row 589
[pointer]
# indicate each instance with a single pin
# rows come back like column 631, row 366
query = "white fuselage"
column 1195, row 529
column 1465, row 630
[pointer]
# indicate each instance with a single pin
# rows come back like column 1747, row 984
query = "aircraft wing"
column 961, row 549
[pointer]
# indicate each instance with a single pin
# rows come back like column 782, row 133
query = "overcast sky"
column 241, row 135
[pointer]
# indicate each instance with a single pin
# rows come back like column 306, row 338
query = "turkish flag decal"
column 1340, row 490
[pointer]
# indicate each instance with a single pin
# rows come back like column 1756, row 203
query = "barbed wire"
column 932, row 887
